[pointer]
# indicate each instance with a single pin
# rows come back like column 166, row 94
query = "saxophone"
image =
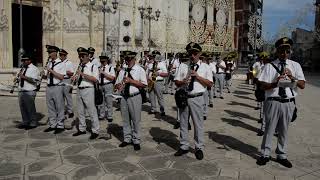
column 153, row 76
column 75, row 79
column 17, row 78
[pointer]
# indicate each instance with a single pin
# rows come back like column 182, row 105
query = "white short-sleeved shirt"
column 232, row 68
column 258, row 67
column 162, row 68
column 95, row 61
column 137, row 73
column 31, row 72
column 219, row 69
column 203, row 71
column 213, row 67
column 269, row 75
column 91, row 72
column 69, row 67
column 59, row 68
column 108, row 69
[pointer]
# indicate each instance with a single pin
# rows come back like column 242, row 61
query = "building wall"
column 72, row 23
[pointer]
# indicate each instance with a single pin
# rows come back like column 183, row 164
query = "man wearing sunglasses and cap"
column 93, row 59
column 280, row 79
column 195, row 79
column 28, row 78
column 88, row 75
column 106, row 79
column 67, row 80
column 129, row 83
column 55, row 102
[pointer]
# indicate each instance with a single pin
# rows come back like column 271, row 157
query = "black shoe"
column 181, row 152
column 284, row 162
column 151, row 112
column 189, row 126
column 22, row 126
column 256, row 108
column 276, row 134
column 118, row 109
column 229, row 92
column 204, row 118
column 176, row 126
column 260, row 121
column 124, row 144
column 221, row 97
column 199, row 154
column 260, row 133
column 49, row 129
column 211, row 105
column 78, row 133
column 94, row 135
column 262, row 160
column 172, row 94
column 71, row 115
column 163, row 114
column 100, row 119
column 30, row 127
column 136, row 147
column 58, row 130
column 110, row 120
column 214, row 96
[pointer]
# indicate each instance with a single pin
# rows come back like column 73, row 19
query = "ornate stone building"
column 73, row 23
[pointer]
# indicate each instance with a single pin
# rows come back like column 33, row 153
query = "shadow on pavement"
column 233, row 143
column 244, row 97
column 238, row 123
column 242, row 115
column 241, row 104
column 116, row 131
column 169, row 119
column 164, row 136
column 241, row 92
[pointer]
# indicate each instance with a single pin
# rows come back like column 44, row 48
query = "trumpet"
column 118, row 88
column 17, row 78
column 75, row 78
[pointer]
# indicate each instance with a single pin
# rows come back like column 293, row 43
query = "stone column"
column 5, row 35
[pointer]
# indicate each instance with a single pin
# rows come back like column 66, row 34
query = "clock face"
column 198, row 12
column 221, row 18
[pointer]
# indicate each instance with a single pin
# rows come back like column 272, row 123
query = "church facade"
column 72, row 23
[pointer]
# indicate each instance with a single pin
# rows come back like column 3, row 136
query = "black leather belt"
column 85, row 87
column 280, row 99
column 195, row 95
column 220, row 73
column 132, row 95
column 160, row 80
column 105, row 83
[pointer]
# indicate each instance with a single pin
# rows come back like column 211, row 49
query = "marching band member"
column 280, row 79
column 28, row 78
column 169, row 78
column 107, row 76
column 212, row 65
column 220, row 77
column 230, row 66
column 129, row 81
column 92, row 58
column 201, row 78
column 67, row 80
column 55, row 102
column 86, row 78
column 157, row 71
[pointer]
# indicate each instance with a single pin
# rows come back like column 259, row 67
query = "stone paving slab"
column 231, row 145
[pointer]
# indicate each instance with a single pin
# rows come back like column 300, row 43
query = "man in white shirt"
column 129, row 83
column 106, row 79
column 54, row 93
column 28, row 78
column 88, row 75
column 280, row 79
column 213, row 68
column 93, row 59
column 67, row 92
column 157, row 71
column 230, row 66
column 195, row 80
column 220, row 77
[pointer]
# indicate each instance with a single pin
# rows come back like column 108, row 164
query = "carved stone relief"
column 3, row 21
column 50, row 20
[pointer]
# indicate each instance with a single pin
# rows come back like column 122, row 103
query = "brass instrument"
column 17, row 78
column 153, row 76
column 75, row 78
column 118, row 88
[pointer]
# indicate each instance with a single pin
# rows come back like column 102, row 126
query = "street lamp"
column 149, row 16
column 21, row 51
column 106, row 9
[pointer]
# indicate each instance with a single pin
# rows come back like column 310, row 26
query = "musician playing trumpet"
column 199, row 78
column 28, row 78
column 157, row 71
column 129, row 82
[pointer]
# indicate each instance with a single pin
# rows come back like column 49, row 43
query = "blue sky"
column 276, row 13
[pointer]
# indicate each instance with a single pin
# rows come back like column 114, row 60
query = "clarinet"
column 16, row 79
